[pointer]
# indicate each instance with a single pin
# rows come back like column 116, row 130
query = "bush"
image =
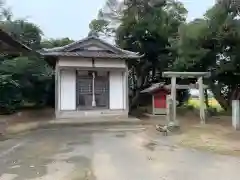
column 10, row 95
column 29, row 80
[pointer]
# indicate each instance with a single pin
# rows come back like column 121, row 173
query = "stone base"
column 173, row 124
column 173, row 127
column 91, row 114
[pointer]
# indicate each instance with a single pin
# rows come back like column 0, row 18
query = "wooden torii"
column 199, row 76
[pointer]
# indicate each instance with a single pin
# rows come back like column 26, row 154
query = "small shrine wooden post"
column 199, row 76
column 236, row 114
column 174, row 102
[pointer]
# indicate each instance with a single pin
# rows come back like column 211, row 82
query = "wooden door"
column 159, row 104
column 101, row 91
column 160, row 101
column 84, row 92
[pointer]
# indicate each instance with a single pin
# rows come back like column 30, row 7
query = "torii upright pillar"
column 174, row 101
column 201, row 99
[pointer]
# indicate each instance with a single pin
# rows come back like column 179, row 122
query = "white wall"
column 67, row 89
column 116, row 90
column 108, row 63
column 74, row 62
column 87, row 62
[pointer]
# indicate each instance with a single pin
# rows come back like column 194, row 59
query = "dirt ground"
column 216, row 136
column 29, row 115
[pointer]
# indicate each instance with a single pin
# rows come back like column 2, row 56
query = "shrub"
column 10, row 94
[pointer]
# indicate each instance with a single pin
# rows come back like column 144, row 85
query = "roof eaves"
column 86, row 55
column 154, row 87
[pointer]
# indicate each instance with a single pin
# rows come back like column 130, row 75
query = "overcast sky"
column 60, row 18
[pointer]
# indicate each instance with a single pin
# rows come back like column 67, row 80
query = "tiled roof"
column 157, row 86
column 154, row 88
column 64, row 48
column 108, row 50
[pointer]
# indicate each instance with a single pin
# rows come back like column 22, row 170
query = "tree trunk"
column 206, row 98
column 135, row 100
column 153, row 73
column 216, row 89
column 141, row 82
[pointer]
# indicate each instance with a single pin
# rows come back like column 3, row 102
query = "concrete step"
column 106, row 121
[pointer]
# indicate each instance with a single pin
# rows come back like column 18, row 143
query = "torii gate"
column 174, row 76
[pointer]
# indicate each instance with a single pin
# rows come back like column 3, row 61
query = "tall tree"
column 108, row 19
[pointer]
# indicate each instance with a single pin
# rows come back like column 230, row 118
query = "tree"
column 26, row 32
column 51, row 43
column 233, row 6
column 109, row 18
column 99, row 27
column 32, row 75
column 149, row 28
column 212, row 44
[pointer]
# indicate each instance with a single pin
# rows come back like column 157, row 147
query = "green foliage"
column 51, row 43
column 11, row 98
column 27, row 32
column 25, row 79
column 99, row 26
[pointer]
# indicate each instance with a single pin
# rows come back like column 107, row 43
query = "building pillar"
column 57, row 91
column 236, row 114
column 174, row 101
column 201, row 99
column 125, row 90
column 93, row 90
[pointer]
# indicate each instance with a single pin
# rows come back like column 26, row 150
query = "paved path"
column 123, row 153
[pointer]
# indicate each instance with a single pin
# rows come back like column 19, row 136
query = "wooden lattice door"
column 92, row 87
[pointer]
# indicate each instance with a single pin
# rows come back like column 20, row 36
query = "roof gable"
column 93, row 47
column 89, row 43
column 92, row 44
